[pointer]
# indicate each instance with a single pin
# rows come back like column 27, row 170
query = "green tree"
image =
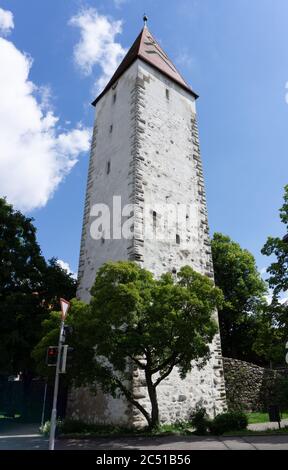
column 242, row 311
column 137, row 322
column 274, row 337
column 278, row 270
column 29, row 288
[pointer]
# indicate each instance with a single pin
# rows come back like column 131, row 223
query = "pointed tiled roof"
column 146, row 48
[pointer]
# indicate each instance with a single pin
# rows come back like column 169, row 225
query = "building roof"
column 146, row 48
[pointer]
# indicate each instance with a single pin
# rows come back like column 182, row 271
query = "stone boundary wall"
column 248, row 386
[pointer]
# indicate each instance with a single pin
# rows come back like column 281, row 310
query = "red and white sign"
column 64, row 307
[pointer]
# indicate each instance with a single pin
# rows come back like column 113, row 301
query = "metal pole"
column 56, row 386
column 44, row 405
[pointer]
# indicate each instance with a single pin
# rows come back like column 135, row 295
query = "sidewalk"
column 177, row 443
column 26, row 437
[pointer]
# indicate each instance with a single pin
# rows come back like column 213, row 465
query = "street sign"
column 64, row 307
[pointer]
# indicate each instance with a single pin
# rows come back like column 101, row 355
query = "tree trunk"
column 153, row 399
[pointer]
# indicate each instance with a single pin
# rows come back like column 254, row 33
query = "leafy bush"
column 73, row 426
column 199, row 420
column 45, row 429
column 233, row 421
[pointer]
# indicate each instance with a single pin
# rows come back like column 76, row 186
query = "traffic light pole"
column 56, row 387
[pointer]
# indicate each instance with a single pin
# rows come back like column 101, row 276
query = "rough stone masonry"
column 145, row 148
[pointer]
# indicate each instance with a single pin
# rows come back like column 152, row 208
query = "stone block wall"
column 248, row 386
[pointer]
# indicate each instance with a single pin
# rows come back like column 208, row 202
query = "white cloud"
column 6, row 21
column 269, row 296
column 97, row 45
column 66, row 267
column 35, row 155
column 263, row 271
column 283, row 298
column 119, row 3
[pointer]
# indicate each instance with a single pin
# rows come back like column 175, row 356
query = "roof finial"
column 145, row 19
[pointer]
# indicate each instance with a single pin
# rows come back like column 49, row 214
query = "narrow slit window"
column 154, row 220
column 167, row 94
column 111, row 128
column 178, row 239
column 108, row 169
column 114, row 98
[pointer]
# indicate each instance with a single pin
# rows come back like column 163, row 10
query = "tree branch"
column 165, row 363
column 134, row 402
column 168, row 372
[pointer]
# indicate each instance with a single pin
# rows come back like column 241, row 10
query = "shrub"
column 73, row 426
column 45, row 429
column 233, row 421
column 199, row 420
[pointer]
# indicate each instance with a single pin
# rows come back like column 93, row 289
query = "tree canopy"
column 137, row 322
column 239, row 317
column 274, row 333
column 278, row 269
column 29, row 288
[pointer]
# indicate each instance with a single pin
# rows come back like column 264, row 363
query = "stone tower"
column 145, row 149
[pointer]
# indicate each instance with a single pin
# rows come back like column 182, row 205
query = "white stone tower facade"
column 145, row 149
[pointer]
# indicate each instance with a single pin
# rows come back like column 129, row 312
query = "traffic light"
column 51, row 357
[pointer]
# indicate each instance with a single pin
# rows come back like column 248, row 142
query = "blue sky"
column 234, row 54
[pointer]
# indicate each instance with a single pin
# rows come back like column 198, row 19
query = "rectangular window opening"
column 154, row 220
column 108, row 167
column 114, row 98
column 111, row 128
column 178, row 239
column 167, row 94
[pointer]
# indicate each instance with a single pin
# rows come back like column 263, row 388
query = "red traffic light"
column 52, row 354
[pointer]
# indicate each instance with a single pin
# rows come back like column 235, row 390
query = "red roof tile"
column 146, row 48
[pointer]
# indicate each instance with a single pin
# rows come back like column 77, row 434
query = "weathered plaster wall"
column 98, row 408
column 169, row 170
column 112, row 146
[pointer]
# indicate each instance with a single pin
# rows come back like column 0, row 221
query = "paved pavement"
column 21, row 437
column 27, row 437
column 180, row 443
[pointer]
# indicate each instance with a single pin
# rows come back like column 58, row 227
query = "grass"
column 254, row 418
column 3, row 416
